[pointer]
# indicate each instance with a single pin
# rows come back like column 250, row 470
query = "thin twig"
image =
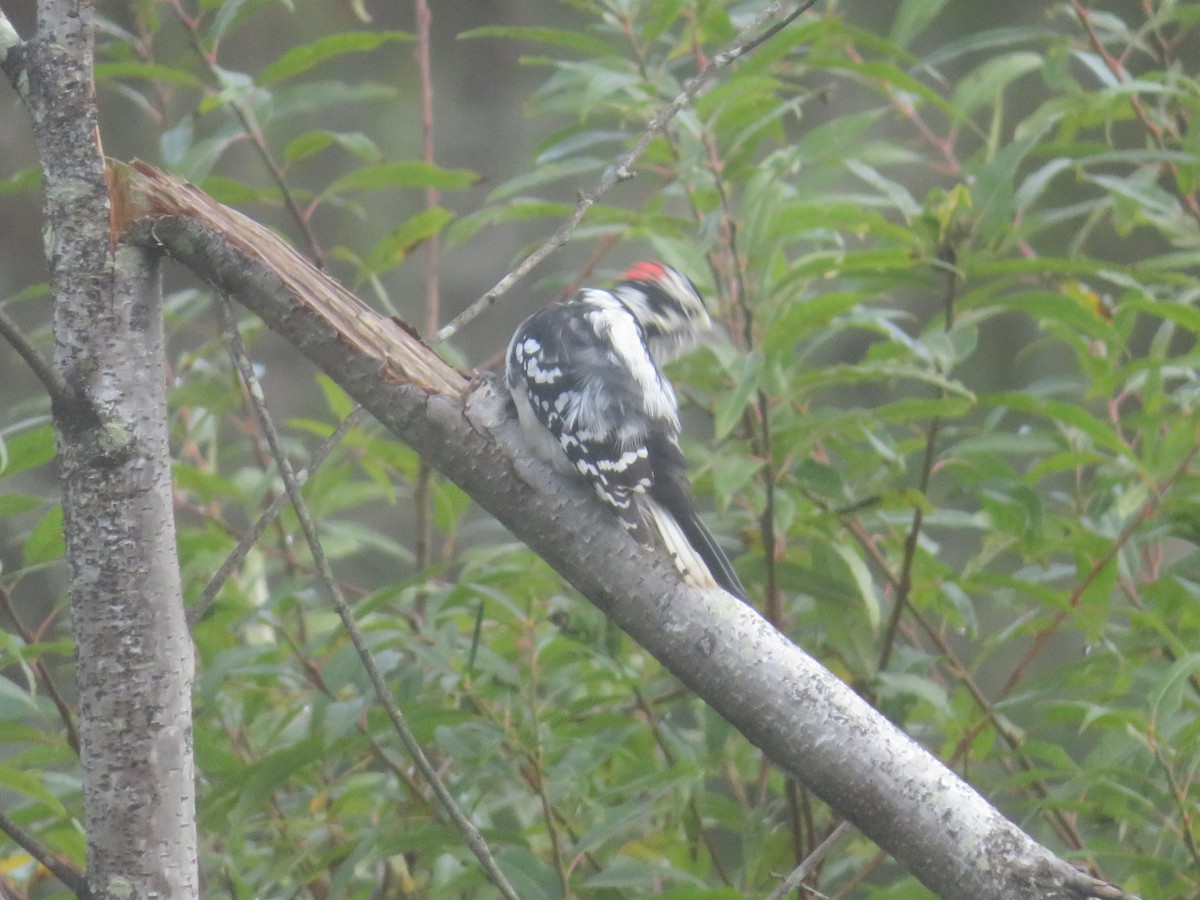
column 796, row 879
column 904, row 585
column 911, row 541
column 75, row 880
column 1159, row 492
column 42, row 671
column 433, row 196
column 664, row 746
column 466, row 828
column 1117, row 67
column 250, row 538
column 60, row 392
column 740, row 46
column 538, row 770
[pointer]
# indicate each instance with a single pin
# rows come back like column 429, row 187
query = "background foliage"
column 954, row 425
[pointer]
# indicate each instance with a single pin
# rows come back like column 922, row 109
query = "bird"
column 591, row 398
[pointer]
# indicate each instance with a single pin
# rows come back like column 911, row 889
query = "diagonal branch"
column 59, row 391
column 802, row 717
column 67, row 874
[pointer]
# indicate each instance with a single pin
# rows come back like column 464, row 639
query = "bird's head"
column 667, row 306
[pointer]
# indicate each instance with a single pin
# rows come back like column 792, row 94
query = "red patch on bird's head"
column 645, row 271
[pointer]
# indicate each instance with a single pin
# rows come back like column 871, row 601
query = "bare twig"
column 904, row 584
column 796, row 878
column 250, row 538
column 741, row 45
column 42, row 671
column 465, row 826
column 1158, row 494
column 59, row 391
column 664, row 747
column 68, row 875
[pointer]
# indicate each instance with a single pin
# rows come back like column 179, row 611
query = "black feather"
column 671, row 489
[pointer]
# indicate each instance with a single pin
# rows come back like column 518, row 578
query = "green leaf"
column 391, row 250
column 909, row 684
column 32, row 785
column 979, row 41
column 313, row 142
column 912, row 18
column 15, row 504
column 530, row 877
column 409, row 174
column 801, row 317
column 26, row 449
column 301, row 59
column 984, row 86
column 729, row 411
column 861, row 576
column 558, row 37
column 235, row 193
column 895, row 192
column 314, row 97
column 112, row 71
column 336, row 398
column 1168, row 699
column 21, row 180
column 1065, row 414
column 1182, row 313
column 262, row 778
column 994, row 191
column 45, row 543
column 229, row 12
column 519, row 210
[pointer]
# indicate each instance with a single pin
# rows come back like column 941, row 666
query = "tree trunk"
column 133, row 651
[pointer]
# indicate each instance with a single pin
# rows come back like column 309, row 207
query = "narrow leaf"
column 862, row 580
column 558, row 37
column 133, row 69
column 391, row 250
column 912, row 18
column 986, row 83
column 730, row 409
column 404, row 174
column 301, row 59
column 45, row 542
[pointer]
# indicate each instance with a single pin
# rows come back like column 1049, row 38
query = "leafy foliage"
column 955, row 424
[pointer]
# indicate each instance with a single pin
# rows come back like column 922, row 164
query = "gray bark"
column 133, row 651
column 801, row 716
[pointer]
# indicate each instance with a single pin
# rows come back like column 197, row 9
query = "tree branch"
column 134, row 660
column 802, row 717
column 55, row 386
column 68, row 875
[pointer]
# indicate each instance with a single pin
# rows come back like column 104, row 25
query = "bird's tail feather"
column 700, row 559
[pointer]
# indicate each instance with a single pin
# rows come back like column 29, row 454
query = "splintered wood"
column 403, row 357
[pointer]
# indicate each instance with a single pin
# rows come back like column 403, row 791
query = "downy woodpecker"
column 586, row 378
